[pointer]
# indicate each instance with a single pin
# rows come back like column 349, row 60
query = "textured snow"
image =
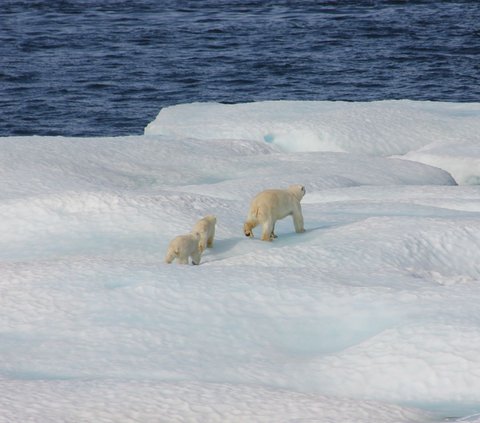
column 370, row 316
column 147, row 401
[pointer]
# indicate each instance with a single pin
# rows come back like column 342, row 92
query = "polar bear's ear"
column 301, row 189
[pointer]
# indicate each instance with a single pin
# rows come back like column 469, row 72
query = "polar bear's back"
column 187, row 243
column 205, row 224
column 272, row 193
column 278, row 203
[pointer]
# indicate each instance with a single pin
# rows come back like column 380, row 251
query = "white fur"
column 206, row 228
column 182, row 247
column 274, row 204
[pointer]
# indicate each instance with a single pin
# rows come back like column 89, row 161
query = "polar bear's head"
column 297, row 190
column 211, row 218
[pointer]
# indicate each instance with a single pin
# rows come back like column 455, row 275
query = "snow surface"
column 370, row 316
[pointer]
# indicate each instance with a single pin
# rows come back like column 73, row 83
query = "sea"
column 107, row 67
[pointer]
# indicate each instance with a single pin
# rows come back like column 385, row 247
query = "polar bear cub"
column 184, row 246
column 206, row 228
column 274, row 204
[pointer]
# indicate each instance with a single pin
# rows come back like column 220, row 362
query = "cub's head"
column 247, row 229
column 297, row 190
column 211, row 218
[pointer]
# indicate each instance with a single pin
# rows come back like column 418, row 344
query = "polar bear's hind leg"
column 170, row 256
column 210, row 242
column 272, row 235
column 267, row 230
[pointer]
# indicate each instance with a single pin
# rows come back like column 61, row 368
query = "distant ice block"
column 461, row 158
column 380, row 128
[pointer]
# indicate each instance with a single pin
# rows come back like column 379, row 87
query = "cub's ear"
column 303, row 189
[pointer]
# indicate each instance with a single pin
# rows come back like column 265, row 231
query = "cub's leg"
column 182, row 258
column 210, row 240
column 202, row 243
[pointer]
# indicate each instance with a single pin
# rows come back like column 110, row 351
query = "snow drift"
column 371, row 315
column 440, row 134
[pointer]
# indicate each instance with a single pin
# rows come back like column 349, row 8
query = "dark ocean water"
column 106, row 67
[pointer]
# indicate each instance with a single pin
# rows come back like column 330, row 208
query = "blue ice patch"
column 268, row 138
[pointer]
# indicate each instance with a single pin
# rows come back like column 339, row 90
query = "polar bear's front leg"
column 272, row 235
column 202, row 244
column 182, row 259
column 298, row 219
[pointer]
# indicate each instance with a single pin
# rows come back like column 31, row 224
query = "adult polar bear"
column 274, row 204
